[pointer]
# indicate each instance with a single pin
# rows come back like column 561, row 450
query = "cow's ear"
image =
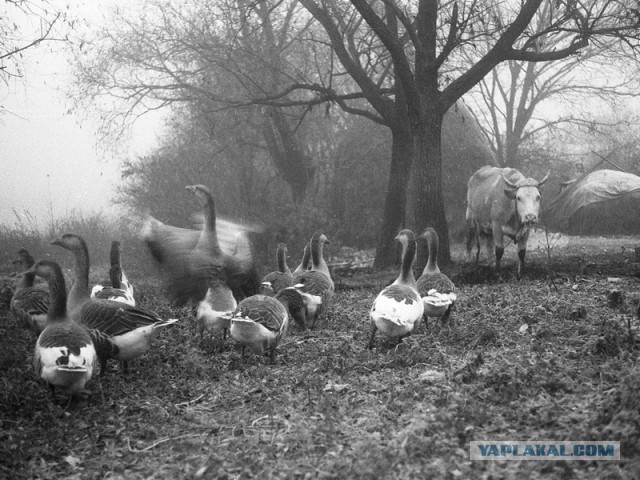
column 510, row 192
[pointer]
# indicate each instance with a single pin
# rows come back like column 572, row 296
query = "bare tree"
column 213, row 55
column 24, row 25
column 506, row 100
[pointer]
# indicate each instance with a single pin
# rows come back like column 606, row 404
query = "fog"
column 51, row 160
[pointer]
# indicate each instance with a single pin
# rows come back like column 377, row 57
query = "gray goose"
column 275, row 281
column 316, row 284
column 397, row 310
column 66, row 353
column 437, row 291
column 120, row 289
column 259, row 323
column 186, row 256
column 28, row 303
column 131, row 329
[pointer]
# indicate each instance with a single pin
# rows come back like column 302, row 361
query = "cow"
column 502, row 201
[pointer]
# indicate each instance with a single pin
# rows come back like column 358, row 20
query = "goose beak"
column 191, row 188
column 57, row 242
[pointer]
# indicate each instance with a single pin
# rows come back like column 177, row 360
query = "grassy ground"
column 541, row 359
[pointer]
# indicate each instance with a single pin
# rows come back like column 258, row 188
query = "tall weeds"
column 98, row 231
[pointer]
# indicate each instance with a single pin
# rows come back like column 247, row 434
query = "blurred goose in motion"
column 259, row 323
column 65, row 355
column 397, row 310
column 213, row 313
column 186, row 256
column 275, row 281
column 316, row 284
column 121, row 289
column 436, row 289
column 131, row 329
column 29, row 304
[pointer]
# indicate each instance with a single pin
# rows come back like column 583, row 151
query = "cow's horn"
column 512, row 185
column 546, row 177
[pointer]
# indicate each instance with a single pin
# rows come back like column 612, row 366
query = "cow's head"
column 526, row 194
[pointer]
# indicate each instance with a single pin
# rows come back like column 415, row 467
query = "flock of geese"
column 80, row 330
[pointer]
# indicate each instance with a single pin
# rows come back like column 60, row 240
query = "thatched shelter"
column 604, row 202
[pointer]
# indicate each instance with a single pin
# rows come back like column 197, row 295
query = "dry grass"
column 329, row 408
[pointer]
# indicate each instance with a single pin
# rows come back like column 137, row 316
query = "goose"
column 260, row 323
column 397, row 310
column 131, row 329
column 296, row 304
column 65, row 355
column 28, row 303
column 185, row 256
column 316, row 284
column 121, row 289
column 275, row 281
column 213, row 312
column 436, row 289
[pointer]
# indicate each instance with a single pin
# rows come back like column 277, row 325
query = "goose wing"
column 115, row 318
column 263, row 310
column 277, row 281
column 313, row 282
column 435, row 281
column 31, row 300
column 115, row 294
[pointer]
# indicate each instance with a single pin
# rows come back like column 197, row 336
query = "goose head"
column 201, row 192
column 69, row 241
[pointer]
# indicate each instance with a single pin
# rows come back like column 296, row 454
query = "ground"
column 545, row 358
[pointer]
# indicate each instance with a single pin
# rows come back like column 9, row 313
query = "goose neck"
column 432, row 248
column 58, row 293
column 281, row 256
column 209, row 237
column 408, row 257
column 27, row 279
column 114, row 255
column 80, row 287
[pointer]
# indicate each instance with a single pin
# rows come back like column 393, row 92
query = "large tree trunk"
column 295, row 167
column 395, row 205
column 428, row 203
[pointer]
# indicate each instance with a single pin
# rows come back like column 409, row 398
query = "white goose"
column 121, row 289
column 316, row 284
column 65, row 356
column 186, row 255
column 275, row 281
column 28, row 303
column 131, row 329
column 259, row 323
column 438, row 292
column 397, row 310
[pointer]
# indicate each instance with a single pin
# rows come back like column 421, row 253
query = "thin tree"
column 506, row 101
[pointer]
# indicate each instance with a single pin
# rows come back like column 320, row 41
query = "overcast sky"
column 51, row 161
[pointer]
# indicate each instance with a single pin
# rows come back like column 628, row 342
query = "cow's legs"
column 522, row 251
column 498, row 239
column 473, row 232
